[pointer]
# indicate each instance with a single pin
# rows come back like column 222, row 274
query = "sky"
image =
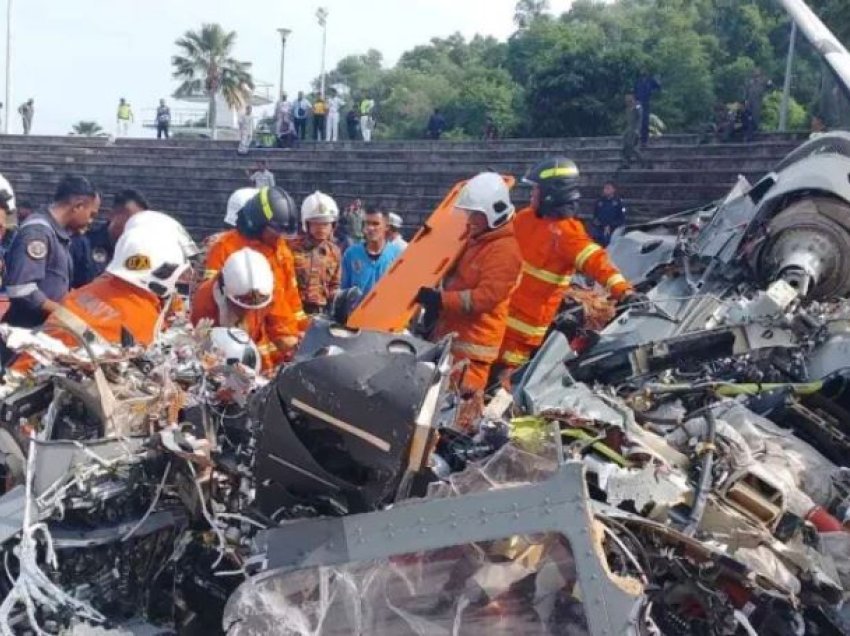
column 76, row 58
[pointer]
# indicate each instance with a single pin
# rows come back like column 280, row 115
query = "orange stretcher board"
column 428, row 258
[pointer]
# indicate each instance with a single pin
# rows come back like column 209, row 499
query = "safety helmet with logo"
column 235, row 346
column 487, row 193
column 147, row 258
column 166, row 225
column 318, row 207
column 247, row 280
column 270, row 207
column 236, row 202
column 557, row 180
column 7, row 195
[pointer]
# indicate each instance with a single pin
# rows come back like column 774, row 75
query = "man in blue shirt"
column 608, row 215
column 363, row 264
column 39, row 260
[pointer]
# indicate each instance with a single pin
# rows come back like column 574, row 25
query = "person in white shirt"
column 262, row 176
column 394, row 231
column 282, row 112
column 335, row 103
column 246, row 131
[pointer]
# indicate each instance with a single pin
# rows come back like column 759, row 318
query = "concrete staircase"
column 192, row 179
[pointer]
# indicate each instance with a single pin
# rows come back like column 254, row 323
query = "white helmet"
column 318, row 207
column 487, row 193
column 148, row 258
column 247, row 279
column 235, row 345
column 161, row 222
column 395, row 221
column 236, row 202
column 7, row 193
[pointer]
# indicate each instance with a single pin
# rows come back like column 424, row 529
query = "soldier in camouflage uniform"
column 317, row 258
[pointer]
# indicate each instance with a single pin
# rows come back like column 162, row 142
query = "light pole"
column 8, row 62
column 284, row 33
column 322, row 16
column 786, row 88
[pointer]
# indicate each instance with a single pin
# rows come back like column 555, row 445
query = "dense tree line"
column 566, row 75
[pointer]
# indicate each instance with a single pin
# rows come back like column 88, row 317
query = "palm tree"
column 205, row 66
column 87, row 129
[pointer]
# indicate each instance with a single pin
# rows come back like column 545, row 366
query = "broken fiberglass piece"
column 298, row 556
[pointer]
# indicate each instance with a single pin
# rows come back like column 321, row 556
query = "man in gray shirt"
column 631, row 135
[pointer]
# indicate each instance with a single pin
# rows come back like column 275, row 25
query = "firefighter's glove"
column 432, row 302
column 570, row 321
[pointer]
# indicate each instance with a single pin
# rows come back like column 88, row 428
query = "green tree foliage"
column 798, row 118
column 87, row 129
column 567, row 75
column 205, row 66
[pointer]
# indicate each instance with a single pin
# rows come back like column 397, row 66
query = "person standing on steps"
column 436, row 125
column 300, row 112
column 282, row 113
column 246, row 131
column 261, row 177
column 320, row 113
column 631, row 135
column 335, row 104
column 645, row 86
column 27, row 110
column 367, row 120
column 352, row 125
column 163, row 120
column 125, row 117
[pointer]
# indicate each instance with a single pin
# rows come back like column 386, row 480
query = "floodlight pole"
column 322, row 15
column 284, row 34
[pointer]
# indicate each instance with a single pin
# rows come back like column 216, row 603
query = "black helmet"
column 558, row 182
column 270, row 207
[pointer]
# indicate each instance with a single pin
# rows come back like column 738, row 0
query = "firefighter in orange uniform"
column 261, row 225
column 243, row 295
column 473, row 302
column 127, row 303
column 554, row 245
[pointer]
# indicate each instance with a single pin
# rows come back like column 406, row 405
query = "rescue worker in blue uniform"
column 608, row 214
column 92, row 251
column 39, row 263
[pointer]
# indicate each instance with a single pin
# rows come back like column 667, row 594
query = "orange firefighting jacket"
column 264, row 326
column 279, row 257
column 105, row 305
column 476, row 293
column 552, row 251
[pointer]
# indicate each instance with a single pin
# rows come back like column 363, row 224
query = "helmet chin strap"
column 563, row 211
